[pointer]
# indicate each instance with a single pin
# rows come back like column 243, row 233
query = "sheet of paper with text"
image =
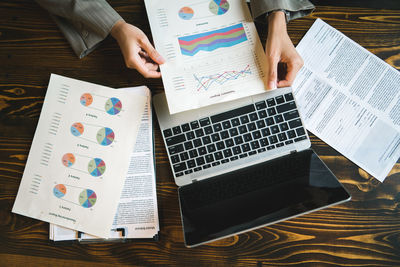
column 212, row 50
column 350, row 99
column 79, row 156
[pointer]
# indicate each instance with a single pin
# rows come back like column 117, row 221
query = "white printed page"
column 80, row 155
column 212, row 50
column 137, row 212
column 350, row 99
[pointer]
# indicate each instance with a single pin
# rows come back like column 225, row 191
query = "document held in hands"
column 350, row 99
column 78, row 160
column 212, row 50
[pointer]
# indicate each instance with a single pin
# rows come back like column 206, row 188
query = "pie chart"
column 59, row 190
column 113, row 106
column 186, row 13
column 96, row 167
column 105, row 136
column 77, row 129
column 86, row 99
column 218, row 7
column 68, row 160
column 87, row 198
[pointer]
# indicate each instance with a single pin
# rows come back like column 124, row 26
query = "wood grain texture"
column 362, row 232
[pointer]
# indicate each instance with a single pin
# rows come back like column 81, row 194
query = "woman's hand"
column 137, row 50
column 279, row 49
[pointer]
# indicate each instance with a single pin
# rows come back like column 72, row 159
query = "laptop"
column 244, row 164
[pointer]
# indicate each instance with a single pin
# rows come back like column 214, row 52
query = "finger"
column 151, row 66
column 153, row 54
column 292, row 70
column 272, row 72
column 137, row 63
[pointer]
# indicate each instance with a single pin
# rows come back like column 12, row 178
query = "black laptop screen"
column 257, row 196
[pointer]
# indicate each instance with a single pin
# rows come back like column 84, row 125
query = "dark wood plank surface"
column 362, row 232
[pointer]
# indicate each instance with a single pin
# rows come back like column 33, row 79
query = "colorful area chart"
column 68, row 160
column 113, row 106
column 209, row 41
column 105, row 136
column 59, row 190
column 87, row 198
column 186, row 13
column 86, row 99
column 77, row 129
column 96, row 167
column 219, row 7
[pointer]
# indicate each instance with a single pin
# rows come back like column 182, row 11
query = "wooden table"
column 362, row 232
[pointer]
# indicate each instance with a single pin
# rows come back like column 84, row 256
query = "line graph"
column 212, row 40
column 205, row 82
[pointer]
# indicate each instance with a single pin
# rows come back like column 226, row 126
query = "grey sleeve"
column 294, row 8
column 84, row 23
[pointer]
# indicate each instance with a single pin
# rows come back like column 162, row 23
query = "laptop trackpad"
column 257, row 196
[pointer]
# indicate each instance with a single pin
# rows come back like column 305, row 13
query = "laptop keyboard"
column 235, row 134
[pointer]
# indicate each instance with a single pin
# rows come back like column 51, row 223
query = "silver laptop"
column 243, row 164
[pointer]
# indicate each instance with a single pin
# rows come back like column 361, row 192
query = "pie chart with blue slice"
column 113, row 106
column 86, row 99
column 68, row 160
column 218, row 7
column 186, row 13
column 87, row 198
column 77, row 129
column 96, row 167
column 59, row 190
column 105, row 136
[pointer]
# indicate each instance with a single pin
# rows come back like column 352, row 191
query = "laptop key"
column 264, row 142
column 233, row 132
column 295, row 123
column 232, row 113
column 244, row 119
column 236, row 150
column 200, row 161
column 243, row 155
column 235, row 122
column 197, row 142
column 278, row 118
column 253, row 116
column 269, row 121
column 179, row 174
column 204, row 122
column 260, row 124
column 256, row 134
column 261, row 150
column 242, row 129
column 177, row 130
column 291, row 115
column 300, row 131
column 286, row 107
column 226, row 125
column 193, row 153
column 175, row 139
column 188, row 172
column 301, row 138
column 215, row 137
column 197, row 169
column 251, row 153
column 272, row 139
column 265, row 132
column 261, row 105
column 255, row 145
column 234, row 158
column 167, row 133
column 211, row 148
column 188, row 145
column 206, row 140
column 227, row 153
column 275, row 129
column 216, row 163
column 279, row 99
column 291, row 134
column 238, row 140
column 271, row 102
column 206, row 166
column 191, row 163
column 289, row 142
column 220, row 145
column 229, row 142
column 271, row 111
column 247, row 137
column 280, row 144
column 289, row 97
column 251, row 126
column 190, row 135
column 175, row 149
column 217, row 127
column 224, row 161
column 284, row 126
column 208, row 130
column 209, row 158
column 179, row 167
column 282, row 137
column 184, row 156
column 218, row 155
column 185, row 127
column 262, row 114
column 224, row 134
column 194, row 125
column 246, row 147
column 270, row 147
column 202, row 150
column 199, row 132
column 175, row 159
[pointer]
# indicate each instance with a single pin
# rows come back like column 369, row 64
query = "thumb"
column 272, row 72
column 153, row 54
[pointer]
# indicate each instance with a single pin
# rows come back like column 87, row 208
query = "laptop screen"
column 256, row 196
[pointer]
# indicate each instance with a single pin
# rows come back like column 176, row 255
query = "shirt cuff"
column 294, row 8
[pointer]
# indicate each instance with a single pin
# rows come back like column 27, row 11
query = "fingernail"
column 272, row 85
column 160, row 59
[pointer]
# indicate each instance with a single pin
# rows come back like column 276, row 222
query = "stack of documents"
column 86, row 162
